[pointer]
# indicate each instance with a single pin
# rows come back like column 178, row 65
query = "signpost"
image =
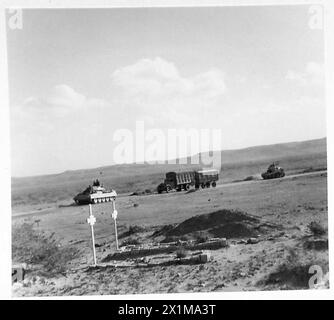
column 114, row 216
column 91, row 221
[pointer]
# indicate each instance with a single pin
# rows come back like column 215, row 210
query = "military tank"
column 273, row 172
column 95, row 193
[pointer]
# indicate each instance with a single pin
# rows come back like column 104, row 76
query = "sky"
column 78, row 76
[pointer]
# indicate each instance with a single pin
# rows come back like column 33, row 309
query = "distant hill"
column 273, row 151
column 235, row 164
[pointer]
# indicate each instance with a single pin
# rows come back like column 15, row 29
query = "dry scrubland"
column 287, row 217
column 236, row 165
column 276, row 230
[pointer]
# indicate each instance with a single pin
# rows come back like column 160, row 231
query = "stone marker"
column 252, row 241
column 18, row 272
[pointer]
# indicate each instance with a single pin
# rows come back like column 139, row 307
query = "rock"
column 26, row 283
column 209, row 255
column 18, row 272
column 203, row 258
column 252, row 241
column 17, row 285
column 242, row 241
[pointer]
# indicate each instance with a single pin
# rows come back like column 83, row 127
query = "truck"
column 177, row 181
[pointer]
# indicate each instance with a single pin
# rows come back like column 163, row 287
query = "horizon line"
column 147, row 162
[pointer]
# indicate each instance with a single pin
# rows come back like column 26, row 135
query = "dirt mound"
column 222, row 223
column 163, row 230
column 132, row 230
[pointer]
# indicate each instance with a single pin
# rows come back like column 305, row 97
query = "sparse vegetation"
column 63, row 186
column 249, row 178
column 237, row 212
column 133, row 229
column 130, row 241
column 316, row 228
column 291, row 276
column 311, row 169
column 316, row 244
column 293, row 273
column 38, row 248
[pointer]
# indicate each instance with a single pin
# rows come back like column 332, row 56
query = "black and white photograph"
column 167, row 149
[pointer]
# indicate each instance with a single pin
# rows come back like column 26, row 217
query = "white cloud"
column 58, row 102
column 150, row 89
column 61, row 109
column 155, row 86
column 313, row 74
column 65, row 96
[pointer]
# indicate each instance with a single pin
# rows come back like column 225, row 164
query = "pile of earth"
column 223, row 224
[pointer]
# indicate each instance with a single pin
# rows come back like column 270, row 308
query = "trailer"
column 178, row 181
column 206, row 178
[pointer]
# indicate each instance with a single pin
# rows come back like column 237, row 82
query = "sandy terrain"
column 279, row 258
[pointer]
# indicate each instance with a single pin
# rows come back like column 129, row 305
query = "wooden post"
column 91, row 220
column 114, row 216
column 116, row 235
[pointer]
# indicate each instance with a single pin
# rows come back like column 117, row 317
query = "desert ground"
column 276, row 230
column 278, row 213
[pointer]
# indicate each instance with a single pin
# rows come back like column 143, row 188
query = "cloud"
column 313, row 75
column 66, row 97
column 150, row 89
column 58, row 102
column 60, row 109
column 155, row 86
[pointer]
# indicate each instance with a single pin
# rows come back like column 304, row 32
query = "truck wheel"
column 202, row 185
column 208, row 185
column 168, row 188
column 214, row 184
column 187, row 187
